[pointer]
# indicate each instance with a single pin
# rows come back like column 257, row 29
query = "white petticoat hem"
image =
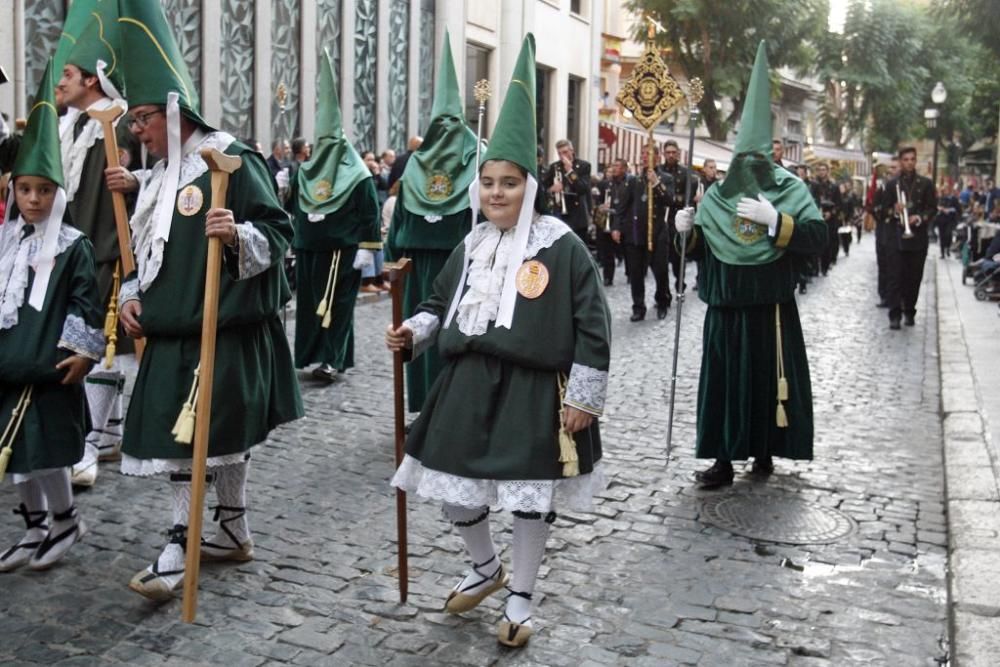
column 533, row 495
column 150, row 467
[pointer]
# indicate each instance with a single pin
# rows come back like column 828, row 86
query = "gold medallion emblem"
column 532, row 279
column 746, row 231
column 189, row 200
column 323, row 190
column 439, row 186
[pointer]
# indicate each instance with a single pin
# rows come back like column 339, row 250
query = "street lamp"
column 938, row 95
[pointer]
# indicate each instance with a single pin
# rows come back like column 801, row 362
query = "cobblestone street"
column 644, row 580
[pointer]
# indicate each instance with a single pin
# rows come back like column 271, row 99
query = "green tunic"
column 737, row 391
column 57, row 420
column 428, row 245
column 493, row 412
column 255, row 388
column 353, row 226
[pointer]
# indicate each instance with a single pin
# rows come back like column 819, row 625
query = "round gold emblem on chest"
column 189, row 200
column 323, row 190
column 532, row 279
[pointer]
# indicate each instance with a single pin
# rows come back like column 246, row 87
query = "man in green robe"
column 754, row 396
column 50, row 336
column 432, row 213
column 335, row 215
column 255, row 388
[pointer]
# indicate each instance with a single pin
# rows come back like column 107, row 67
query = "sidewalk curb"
column 973, row 501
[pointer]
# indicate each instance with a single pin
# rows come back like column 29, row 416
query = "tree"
column 717, row 41
column 977, row 18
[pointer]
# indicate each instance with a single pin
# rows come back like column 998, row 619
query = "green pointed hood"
column 153, row 64
column 326, row 181
column 515, row 137
column 78, row 17
column 752, row 172
column 100, row 41
column 437, row 176
column 38, row 154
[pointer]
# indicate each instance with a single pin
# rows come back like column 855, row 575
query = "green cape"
column 38, row 154
column 100, row 40
column 326, row 181
column 437, row 176
column 154, row 65
column 515, row 137
column 734, row 240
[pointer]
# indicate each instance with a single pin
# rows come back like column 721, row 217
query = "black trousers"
column 845, row 243
column 883, row 269
column 906, row 271
column 637, row 260
column 829, row 256
column 606, row 255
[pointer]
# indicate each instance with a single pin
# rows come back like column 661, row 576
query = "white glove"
column 363, row 259
column 758, row 210
column 281, row 178
column 684, row 220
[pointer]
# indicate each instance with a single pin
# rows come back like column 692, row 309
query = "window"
column 477, row 67
column 573, row 110
column 794, row 126
column 575, row 6
column 542, row 88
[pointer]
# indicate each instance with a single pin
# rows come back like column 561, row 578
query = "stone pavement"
column 970, row 400
column 643, row 580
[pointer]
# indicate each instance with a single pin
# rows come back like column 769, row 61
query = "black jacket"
column 576, row 193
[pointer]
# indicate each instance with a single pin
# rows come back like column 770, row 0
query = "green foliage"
column 977, row 19
column 716, row 41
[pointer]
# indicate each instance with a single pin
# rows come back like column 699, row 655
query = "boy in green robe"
column 753, row 231
column 255, row 388
column 432, row 213
column 50, row 336
column 335, row 215
column 519, row 318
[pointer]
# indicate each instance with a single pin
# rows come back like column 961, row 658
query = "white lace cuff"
column 425, row 327
column 586, row 389
column 129, row 291
column 252, row 253
column 81, row 339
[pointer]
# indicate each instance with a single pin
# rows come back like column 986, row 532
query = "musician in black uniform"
column 677, row 172
column 568, row 182
column 612, row 202
column 906, row 268
column 881, row 211
column 632, row 231
column 827, row 196
column 949, row 212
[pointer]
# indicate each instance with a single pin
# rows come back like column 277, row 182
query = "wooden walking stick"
column 397, row 279
column 107, row 118
column 221, row 166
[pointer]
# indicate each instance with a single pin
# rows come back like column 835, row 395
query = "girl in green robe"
column 520, row 321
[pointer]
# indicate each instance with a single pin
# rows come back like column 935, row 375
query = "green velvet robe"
column 57, row 420
column 428, row 245
column 737, row 389
column 354, row 226
column 493, row 412
column 255, row 388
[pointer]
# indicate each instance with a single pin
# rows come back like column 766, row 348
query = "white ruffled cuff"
column 252, row 253
column 425, row 327
column 129, row 291
column 586, row 389
column 81, row 339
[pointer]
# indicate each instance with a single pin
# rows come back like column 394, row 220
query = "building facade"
column 241, row 53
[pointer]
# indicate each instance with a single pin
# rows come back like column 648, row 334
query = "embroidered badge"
column 322, row 191
column 532, row 279
column 439, row 186
column 189, row 200
column 746, row 231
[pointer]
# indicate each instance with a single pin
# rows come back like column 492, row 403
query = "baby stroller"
column 987, row 287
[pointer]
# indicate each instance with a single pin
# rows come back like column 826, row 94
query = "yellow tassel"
column 782, row 418
column 109, row 352
column 321, row 311
column 4, row 460
column 185, row 420
column 567, row 454
column 110, row 321
column 10, row 431
column 185, row 432
column 328, row 319
column 782, row 389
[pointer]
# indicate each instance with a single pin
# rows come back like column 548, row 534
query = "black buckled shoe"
column 720, row 474
column 661, row 311
column 325, row 372
column 894, row 323
column 909, row 320
column 762, row 466
column 637, row 315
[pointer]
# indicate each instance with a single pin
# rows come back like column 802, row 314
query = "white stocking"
column 171, row 559
column 530, row 534
column 473, row 524
column 231, row 492
column 58, row 491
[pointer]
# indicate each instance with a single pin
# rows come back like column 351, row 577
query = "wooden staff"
column 397, row 279
column 107, row 118
column 221, row 166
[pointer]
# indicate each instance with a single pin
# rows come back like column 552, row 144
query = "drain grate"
column 776, row 518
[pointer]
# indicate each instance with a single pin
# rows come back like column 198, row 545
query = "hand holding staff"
column 397, row 278
column 106, row 118
column 221, row 166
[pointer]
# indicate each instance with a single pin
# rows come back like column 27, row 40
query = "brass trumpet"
column 901, row 198
column 561, row 195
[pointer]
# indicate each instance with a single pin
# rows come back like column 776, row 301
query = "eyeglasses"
column 141, row 120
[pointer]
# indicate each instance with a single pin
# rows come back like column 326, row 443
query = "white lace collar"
column 16, row 257
column 149, row 249
column 74, row 151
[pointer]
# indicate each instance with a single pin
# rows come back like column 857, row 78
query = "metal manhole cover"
column 776, row 519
